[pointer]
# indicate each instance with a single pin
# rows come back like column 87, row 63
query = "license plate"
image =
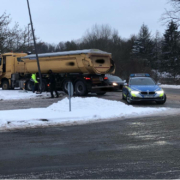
column 148, row 96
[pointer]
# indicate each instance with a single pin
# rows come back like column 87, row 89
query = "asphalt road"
column 173, row 101
column 139, row 148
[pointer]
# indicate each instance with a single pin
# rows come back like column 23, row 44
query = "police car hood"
column 150, row 88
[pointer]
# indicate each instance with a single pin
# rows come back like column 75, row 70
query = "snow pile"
column 83, row 110
column 170, row 86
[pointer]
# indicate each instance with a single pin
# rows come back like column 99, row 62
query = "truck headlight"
column 114, row 84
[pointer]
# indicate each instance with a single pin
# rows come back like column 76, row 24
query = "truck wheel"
column 5, row 85
column 80, row 88
column 44, row 86
column 29, row 85
column 65, row 86
column 101, row 93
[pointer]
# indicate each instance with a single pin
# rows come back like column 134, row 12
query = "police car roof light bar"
column 140, row 75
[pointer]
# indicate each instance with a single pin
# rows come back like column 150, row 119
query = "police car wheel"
column 162, row 102
column 128, row 99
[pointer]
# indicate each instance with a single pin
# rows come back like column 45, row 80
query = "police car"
column 142, row 87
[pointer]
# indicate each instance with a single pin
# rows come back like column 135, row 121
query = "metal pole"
column 70, row 96
column 28, row 34
column 35, row 47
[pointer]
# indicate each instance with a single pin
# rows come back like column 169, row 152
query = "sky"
column 65, row 20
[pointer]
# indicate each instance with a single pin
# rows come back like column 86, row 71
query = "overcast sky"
column 65, row 20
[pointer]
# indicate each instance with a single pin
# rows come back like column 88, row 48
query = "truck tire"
column 28, row 85
column 101, row 93
column 44, row 86
column 80, row 88
column 5, row 85
column 65, row 86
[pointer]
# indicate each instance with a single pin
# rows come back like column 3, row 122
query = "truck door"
column 19, row 67
column 4, row 64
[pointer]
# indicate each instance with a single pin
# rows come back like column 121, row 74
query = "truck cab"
column 10, row 64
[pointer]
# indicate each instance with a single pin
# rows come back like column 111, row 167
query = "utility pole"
column 37, row 58
column 28, row 34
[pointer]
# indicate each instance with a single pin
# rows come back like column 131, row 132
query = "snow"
column 164, row 74
column 20, row 94
column 84, row 110
column 170, row 86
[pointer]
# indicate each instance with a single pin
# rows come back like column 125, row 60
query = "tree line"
column 140, row 53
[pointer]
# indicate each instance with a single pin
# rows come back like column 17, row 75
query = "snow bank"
column 83, row 110
column 170, row 86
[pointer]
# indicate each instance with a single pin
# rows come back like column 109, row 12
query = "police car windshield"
column 141, row 81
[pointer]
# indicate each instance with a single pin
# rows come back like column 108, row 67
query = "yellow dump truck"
column 86, row 69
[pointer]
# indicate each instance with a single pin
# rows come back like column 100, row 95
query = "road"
column 173, row 101
column 139, row 148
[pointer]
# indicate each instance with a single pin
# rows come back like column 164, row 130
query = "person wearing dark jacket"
column 52, row 83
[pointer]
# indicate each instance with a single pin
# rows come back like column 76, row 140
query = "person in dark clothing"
column 52, row 83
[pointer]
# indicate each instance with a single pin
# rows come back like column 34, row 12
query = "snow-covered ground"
column 20, row 94
column 170, row 86
column 84, row 110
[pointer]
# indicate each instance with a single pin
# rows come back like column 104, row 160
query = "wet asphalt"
column 136, row 148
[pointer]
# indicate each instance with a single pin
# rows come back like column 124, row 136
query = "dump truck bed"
column 90, row 61
column 65, row 53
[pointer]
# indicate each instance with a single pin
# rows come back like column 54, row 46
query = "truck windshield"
column 141, row 81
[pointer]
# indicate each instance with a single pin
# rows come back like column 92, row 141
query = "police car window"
column 142, row 81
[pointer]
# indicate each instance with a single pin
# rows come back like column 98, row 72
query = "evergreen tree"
column 142, row 48
column 171, row 50
column 156, row 51
column 156, row 60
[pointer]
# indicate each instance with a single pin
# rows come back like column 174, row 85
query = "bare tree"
column 173, row 14
column 4, row 31
column 13, row 39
